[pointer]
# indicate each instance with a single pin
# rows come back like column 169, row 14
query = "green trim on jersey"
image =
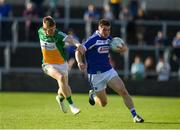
column 57, row 39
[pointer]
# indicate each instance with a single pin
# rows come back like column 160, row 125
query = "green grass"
column 40, row 110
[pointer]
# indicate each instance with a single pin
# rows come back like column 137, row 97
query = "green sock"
column 69, row 100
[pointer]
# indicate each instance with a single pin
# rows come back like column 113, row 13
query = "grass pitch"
column 40, row 110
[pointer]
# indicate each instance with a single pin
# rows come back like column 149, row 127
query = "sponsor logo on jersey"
column 103, row 49
column 48, row 45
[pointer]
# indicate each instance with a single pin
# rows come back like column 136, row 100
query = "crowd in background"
column 112, row 10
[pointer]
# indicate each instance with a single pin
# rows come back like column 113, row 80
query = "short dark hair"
column 49, row 21
column 104, row 22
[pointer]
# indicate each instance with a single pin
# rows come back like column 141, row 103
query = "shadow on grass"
column 149, row 122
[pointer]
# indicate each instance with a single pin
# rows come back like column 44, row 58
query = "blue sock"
column 92, row 97
column 133, row 112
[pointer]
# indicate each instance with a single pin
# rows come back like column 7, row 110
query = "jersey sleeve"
column 89, row 44
column 110, row 37
column 62, row 35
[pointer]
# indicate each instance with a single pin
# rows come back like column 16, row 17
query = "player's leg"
column 101, row 98
column 60, row 77
column 118, row 86
column 64, row 82
column 64, row 89
column 54, row 73
column 98, row 92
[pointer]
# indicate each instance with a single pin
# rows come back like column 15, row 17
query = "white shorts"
column 61, row 67
column 99, row 82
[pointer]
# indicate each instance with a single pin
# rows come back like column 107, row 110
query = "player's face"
column 49, row 30
column 104, row 31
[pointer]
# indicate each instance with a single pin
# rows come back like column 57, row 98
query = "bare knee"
column 61, row 78
column 62, row 81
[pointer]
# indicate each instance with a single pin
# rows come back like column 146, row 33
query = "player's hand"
column 82, row 67
column 80, row 48
column 122, row 49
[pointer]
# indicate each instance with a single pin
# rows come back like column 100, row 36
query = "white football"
column 116, row 41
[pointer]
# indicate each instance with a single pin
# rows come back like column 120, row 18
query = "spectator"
column 160, row 40
column 140, row 29
column 90, row 15
column 148, row 63
column 40, row 10
column 133, row 7
column 107, row 14
column 149, row 67
column 140, row 14
column 52, row 8
column 5, row 9
column 179, row 74
column 116, row 7
column 125, row 14
column 163, row 70
column 29, row 13
column 176, row 48
column 137, row 69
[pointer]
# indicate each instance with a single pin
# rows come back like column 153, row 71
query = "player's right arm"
column 80, row 57
column 80, row 61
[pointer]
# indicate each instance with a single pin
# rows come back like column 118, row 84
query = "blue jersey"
column 97, row 51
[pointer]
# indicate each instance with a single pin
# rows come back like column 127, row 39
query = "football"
column 116, row 41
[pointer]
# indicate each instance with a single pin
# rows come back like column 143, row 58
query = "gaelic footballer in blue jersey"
column 100, row 71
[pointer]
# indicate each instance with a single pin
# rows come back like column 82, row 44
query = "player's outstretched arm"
column 76, row 43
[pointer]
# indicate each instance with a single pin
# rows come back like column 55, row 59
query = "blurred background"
column 150, row 28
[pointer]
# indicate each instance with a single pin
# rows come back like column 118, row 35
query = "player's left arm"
column 122, row 49
column 76, row 43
